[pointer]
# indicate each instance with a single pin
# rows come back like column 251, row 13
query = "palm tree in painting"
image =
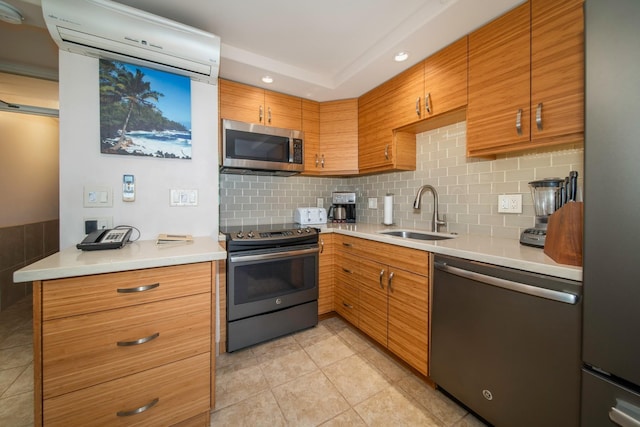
column 134, row 92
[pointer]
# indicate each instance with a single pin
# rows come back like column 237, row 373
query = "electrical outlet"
column 373, row 203
column 319, row 202
column 510, row 203
column 97, row 223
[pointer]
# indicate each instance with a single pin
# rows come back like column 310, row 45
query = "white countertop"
column 72, row 262
column 491, row 250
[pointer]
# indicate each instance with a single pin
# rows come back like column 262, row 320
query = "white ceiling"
column 321, row 50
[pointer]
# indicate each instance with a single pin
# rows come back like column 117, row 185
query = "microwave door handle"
column 291, row 148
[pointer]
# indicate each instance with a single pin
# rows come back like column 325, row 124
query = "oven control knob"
column 251, row 235
column 299, row 230
column 240, row 235
column 308, row 230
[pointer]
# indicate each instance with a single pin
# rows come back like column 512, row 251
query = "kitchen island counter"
column 72, row 262
column 492, row 250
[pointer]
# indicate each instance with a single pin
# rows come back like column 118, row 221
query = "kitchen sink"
column 418, row 235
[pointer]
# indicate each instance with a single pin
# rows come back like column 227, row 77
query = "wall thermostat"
column 128, row 188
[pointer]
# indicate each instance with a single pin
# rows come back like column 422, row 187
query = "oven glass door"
column 268, row 281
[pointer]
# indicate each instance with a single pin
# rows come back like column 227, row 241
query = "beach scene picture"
column 144, row 112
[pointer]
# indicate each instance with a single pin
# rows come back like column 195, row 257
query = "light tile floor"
column 329, row 375
column 16, row 365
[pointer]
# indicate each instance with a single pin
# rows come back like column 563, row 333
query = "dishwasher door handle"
column 523, row 288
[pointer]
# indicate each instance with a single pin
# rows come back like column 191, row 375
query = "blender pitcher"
column 543, row 193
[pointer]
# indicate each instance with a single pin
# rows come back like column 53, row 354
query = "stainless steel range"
column 272, row 282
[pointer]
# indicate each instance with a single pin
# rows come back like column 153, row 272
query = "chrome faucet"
column 436, row 222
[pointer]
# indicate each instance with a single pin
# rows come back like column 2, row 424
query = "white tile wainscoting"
column 468, row 188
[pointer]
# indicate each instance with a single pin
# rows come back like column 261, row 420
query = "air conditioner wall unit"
column 110, row 30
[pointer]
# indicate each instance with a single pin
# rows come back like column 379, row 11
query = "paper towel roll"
column 388, row 209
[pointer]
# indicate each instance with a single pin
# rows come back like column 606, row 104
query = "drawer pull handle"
column 138, row 341
column 347, row 270
column 348, row 245
column 139, row 410
column 138, row 289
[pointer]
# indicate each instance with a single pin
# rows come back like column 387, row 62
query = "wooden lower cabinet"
column 126, row 348
column 388, row 288
column 325, row 279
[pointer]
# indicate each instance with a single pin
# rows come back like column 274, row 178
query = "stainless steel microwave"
column 261, row 150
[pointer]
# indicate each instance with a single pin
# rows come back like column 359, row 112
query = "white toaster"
column 308, row 216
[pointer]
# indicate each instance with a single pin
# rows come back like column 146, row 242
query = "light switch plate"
column 510, row 203
column 183, row 198
column 98, row 197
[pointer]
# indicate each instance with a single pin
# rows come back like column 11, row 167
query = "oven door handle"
column 274, row 255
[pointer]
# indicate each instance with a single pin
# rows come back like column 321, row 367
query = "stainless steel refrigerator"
column 611, row 330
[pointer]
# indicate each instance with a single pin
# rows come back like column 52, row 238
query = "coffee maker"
column 343, row 208
column 544, row 193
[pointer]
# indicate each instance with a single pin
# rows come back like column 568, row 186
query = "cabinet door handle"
column 389, row 281
column 138, row 341
column 539, row 116
column 317, row 160
column 269, row 114
column 322, row 161
column 321, row 245
column 348, row 245
column 347, row 305
column 138, row 289
column 427, row 102
column 386, row 152
column 347, row 270
column 381, row 276
column 260, row 114
column 519, row 122
column 418, row 107
column 138, row 410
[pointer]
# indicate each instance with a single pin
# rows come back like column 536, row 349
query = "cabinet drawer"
column 401, row 257
column 85, row 350
column 181, row 390
column 346, row 301
column 87, row 294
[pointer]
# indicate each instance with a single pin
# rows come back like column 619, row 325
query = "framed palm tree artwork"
column 144, row 112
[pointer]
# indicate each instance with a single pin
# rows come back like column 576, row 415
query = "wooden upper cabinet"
column 380, row 148
column 255, row 105
column 336, row 152
column 499, row 79
column 557, row 71
column 311, row 129
column 530, row 60
column 445, row 79
column 404, row 103
column 282, row 111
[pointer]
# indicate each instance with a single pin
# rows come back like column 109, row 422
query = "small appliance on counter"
column 343, row 208
column 310, row 216
column 544, row 193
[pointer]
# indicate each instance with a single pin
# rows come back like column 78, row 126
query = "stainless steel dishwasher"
column 506, row 343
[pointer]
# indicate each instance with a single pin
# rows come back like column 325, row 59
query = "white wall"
column 28, row 168
column 82, row 164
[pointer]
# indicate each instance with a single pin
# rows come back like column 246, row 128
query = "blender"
column 544, row 193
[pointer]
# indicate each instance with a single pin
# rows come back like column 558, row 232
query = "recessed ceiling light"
column 10, row 14
column 401, row 56
column 267, row 79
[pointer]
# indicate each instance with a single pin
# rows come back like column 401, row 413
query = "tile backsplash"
column 468, row 188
